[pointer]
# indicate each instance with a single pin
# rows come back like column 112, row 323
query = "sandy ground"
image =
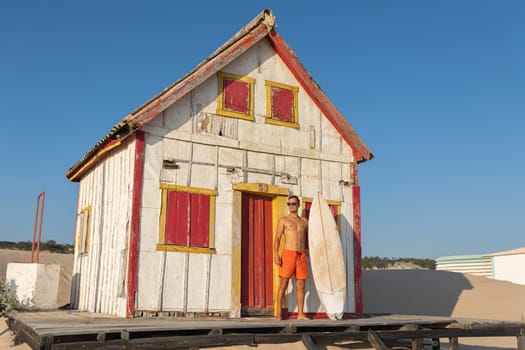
column 409, row 292
column 16, row 256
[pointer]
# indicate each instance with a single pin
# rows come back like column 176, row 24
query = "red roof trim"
column 361, row 152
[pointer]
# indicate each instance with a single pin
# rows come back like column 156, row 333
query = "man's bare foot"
column 302, row 317
column 278, row 317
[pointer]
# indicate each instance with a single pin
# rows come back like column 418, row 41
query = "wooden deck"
column 82, row 330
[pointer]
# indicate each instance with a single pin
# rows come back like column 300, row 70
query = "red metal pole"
column 37, row 217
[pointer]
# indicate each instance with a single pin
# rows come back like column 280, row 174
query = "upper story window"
column 281, row 104
column 187, row 219
column 235, row 96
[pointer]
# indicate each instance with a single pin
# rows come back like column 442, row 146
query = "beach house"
column 178, row 203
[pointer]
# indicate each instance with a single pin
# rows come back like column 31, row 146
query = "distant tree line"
column 375, row 263
column 50, row 245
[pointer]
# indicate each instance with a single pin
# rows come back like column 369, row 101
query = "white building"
column 505, row 266
column 509, row 265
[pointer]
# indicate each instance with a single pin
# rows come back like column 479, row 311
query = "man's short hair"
column 294, row 196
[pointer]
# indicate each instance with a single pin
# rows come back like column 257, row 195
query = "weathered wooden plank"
column 453, row 343
column 417, row 344
column 521, row 342
column 376, row 341
column 71, row 331
column 309, row 342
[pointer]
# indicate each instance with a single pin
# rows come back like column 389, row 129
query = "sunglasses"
column 292, row 203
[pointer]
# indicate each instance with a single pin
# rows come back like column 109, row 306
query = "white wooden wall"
column 188, row 133
column 99, row 276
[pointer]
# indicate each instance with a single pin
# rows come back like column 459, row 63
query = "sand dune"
column 442, row 293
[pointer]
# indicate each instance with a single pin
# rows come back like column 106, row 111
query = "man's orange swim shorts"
column 293, row 261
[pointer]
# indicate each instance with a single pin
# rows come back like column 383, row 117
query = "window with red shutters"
column 281, row 104
column 186, row 220
column 235, row 96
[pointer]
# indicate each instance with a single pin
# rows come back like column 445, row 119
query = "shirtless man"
column 293, row 260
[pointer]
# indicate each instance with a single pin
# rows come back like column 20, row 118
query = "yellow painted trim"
column 278, row 211
column 236, row 258
column 177, row 248
column 211, row 233
column 162, row 219
column 94, row 159
column 220, row 110
column 179, row 188
column 269, row 120
column 162, row 223
column 261, row 189
column 279, row 196
column 330, row 202
column 87, row 230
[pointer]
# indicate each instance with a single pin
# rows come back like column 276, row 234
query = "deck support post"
column 417, row 344
column 453, row 343
column 375, row 340
column 308, row 342
column 521, row 342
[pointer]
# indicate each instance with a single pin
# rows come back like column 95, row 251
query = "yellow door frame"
column 279, row 196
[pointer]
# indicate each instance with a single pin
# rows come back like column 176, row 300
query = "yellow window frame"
column 337, row 204
column 295, row 90
column 161, row 245
column 220, row 98
column 84, row 230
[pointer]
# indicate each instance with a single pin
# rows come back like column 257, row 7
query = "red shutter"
column 333, row 208
column 282, row 104
column 199, row 220
column 307, row 206
column 177, row 215
column 236, row 94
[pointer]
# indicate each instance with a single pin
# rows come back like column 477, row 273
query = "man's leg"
column 280, row 294
column 300, row 300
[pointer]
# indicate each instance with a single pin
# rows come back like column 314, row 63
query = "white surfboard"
column 326, row 258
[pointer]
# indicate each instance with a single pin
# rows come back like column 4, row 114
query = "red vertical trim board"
column 134, row 237
column 356, row 212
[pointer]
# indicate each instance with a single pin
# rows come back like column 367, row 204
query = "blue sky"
column 435, row 88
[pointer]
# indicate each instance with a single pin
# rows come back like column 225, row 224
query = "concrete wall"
column 36, row 285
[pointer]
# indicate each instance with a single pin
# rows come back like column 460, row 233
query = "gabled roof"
column 262, row 26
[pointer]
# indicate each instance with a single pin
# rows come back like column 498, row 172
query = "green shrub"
column 7, row 298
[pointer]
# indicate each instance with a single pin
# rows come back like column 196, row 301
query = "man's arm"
column 277, row 241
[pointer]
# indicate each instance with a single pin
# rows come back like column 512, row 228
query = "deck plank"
column 68, row 329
